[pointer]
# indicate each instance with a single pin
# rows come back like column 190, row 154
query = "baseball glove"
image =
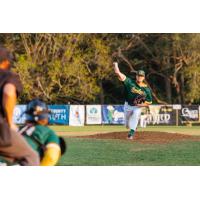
column 139, row 99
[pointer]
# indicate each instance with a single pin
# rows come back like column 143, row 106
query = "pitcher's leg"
column 127, row 113
column 133, row 122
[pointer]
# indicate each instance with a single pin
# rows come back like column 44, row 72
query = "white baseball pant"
column 132, row 116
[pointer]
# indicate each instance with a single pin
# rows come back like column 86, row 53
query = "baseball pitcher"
column 137, row 95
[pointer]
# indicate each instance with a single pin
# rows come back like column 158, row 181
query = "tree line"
column 77, row 68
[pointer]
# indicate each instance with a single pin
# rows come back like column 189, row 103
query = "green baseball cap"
column 140, row 73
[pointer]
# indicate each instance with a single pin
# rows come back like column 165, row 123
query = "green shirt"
column 44, row 135
column 132, row 89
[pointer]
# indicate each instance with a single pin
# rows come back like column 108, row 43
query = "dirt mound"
column 146, row 137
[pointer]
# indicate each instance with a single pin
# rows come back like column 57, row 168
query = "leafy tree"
column 61, row 68
column 77, row 68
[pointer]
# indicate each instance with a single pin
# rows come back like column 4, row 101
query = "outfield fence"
column 80, row 115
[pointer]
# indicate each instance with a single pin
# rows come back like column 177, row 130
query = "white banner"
column 177, row 107
column 93, row 114
column 76, row 115
column 199, row 113
column 19, row 116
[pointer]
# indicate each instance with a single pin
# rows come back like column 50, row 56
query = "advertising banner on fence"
column 159, row 115
column 190, row 114
column 113, row 114
column 59, row 114
column 93, row 114
column 77, row 115
column 19, row 116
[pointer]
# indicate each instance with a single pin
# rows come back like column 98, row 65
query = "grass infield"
column 109, row 152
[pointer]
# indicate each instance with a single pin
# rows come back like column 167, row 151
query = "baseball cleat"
column 130, row 137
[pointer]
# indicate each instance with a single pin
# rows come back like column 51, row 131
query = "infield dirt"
column 146, row 137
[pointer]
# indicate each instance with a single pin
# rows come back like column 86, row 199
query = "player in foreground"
column 12, row 145
column 42, row 139
column 137, row 95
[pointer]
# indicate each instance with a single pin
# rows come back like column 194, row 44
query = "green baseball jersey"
column 44, row 135
column 132, row 89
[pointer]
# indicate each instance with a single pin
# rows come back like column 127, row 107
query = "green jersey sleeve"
column 52, row 138
column 127, row 82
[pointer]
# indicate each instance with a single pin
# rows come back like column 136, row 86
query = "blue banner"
column 113, row 114
column 19, row 116
column 59, row 114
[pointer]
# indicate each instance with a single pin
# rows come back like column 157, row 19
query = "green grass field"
column 101, row 152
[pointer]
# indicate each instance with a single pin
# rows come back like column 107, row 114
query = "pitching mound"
column 146, row 137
